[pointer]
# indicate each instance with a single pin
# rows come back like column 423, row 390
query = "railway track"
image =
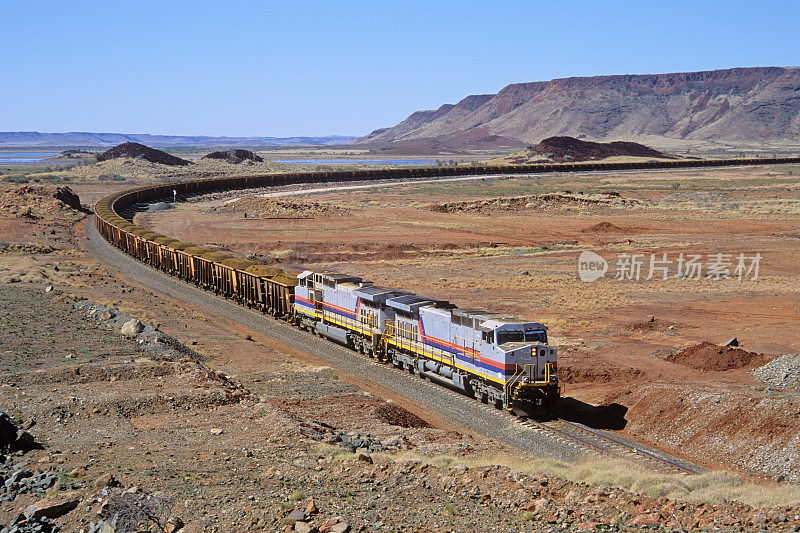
column 600, row 443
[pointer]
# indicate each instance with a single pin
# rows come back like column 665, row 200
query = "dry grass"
column 714, row 487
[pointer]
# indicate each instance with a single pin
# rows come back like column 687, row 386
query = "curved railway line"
column 268, row 290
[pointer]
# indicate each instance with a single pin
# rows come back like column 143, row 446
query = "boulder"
column 173, row 524
column 132, row 328
column 53, row 507
column 105, row 480
column 304, row 527
column 296, row 516
column 8, row 430
column 362, row 456
column 25, row 442
column 311, row 508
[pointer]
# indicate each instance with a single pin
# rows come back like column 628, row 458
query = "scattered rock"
column 103, row 527
column 304, row 527
column 783, row 372
column 32, row 525
column 105, row 480
column 217, row 431
column 295, row 516
column 365, row 457
column 53, row 507
column 78, row 471
column 311, row 508
column 326, row 527
column 341, row 527
column 173, row 524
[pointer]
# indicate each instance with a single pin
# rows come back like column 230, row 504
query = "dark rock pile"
column 566, row 149
column 11, row 438
column 352, row 440
column 235, row 156
column 17, row 480
column 38, row 524
column 140, row 151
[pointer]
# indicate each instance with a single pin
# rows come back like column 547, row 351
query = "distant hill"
column 235, row 156
column 740, row 104
column 569, row 149
column 36, row 139
column 145, row 153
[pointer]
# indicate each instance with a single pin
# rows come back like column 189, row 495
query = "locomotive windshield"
column 507, row 335
column 536, row 335
column 530, row 335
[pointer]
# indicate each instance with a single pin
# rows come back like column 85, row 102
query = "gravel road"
column 459, row 410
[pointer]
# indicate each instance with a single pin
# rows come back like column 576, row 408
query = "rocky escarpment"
column 740, row 104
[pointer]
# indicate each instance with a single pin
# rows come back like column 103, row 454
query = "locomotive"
column 499, row 359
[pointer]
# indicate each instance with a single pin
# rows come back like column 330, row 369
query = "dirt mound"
column 536, row 201
column 260, row 207
column 235, row 156
column 709, row 356
column 69, row 155
column 41, row 202
column 603, row 227
column 397, row 416
column 140, row 151
column 572, row 149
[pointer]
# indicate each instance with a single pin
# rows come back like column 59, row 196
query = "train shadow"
column 611, row 416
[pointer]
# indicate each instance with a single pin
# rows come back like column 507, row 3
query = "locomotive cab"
column 530, row 363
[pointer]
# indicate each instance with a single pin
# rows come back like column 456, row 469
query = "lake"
column 24, row 157
column 360, row 161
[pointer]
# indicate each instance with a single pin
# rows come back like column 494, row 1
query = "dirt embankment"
column 533, row 202
column 709, row 356
column 603, row 227
column 259, row 207
column 71, row 155
column 40, row 202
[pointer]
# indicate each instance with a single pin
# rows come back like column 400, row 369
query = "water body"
column 360, row 161
column 24, row 157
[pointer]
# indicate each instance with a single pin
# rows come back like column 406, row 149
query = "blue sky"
column 320, row 68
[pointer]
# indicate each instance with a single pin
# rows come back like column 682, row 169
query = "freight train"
column 496, row 358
